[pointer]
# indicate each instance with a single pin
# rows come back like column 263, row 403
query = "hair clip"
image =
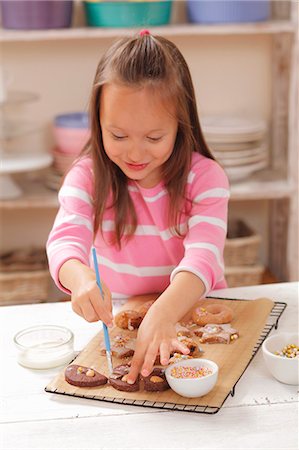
column 144, row 32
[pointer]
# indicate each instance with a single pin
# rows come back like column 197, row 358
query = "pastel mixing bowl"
column 71, row 132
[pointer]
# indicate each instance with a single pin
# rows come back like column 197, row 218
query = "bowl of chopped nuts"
column 281, row 356
column 192, row 377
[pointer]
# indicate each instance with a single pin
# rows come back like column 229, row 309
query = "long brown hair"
column 144, row 60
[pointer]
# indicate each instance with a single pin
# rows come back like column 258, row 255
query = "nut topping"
column 156, row 379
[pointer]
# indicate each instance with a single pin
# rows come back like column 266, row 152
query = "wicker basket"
column 242, row 245
column 244, row 275
column 24, row 287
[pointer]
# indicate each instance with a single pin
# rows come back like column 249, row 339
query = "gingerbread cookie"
column 122, row 346
column 128, row 320
column 217, row 334
column 188, row 342
column 118, row 379
column 181, row 330
column 84, row 376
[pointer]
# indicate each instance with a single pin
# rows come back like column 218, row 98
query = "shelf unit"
column 279, row 184
column 188, row 29
column 264, row 185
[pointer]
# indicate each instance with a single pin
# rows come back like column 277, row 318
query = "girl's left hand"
column 156, row 335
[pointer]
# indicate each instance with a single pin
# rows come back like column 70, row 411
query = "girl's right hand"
column 86, row 298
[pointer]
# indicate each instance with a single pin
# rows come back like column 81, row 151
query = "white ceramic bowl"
column 44, row 346
column 285, row 370
column 193, row 387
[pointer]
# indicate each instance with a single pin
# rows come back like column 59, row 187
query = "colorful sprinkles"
column 190, row 372
column 289, row 351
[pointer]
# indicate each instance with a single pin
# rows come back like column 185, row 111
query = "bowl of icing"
column 44, row 346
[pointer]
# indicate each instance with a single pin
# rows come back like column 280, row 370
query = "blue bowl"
column 227, row 11
column 72, row 120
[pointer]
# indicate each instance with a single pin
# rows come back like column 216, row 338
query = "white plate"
column 241, row 153
column 228, row 129
column 236, row 146
column 217, row 124
column 242, row 162
column 239, row 173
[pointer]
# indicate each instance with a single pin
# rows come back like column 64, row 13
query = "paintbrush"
column 106, row 333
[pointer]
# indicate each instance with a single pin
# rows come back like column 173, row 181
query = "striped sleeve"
column 207, row 224
column 72, row 233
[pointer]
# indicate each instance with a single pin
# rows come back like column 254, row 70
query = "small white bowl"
column 285, row 370
column 193, row 387
column 44, row 346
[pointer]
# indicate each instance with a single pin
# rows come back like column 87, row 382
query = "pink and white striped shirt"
column 153, row 256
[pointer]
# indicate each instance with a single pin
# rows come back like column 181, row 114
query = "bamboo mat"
column 250, row 318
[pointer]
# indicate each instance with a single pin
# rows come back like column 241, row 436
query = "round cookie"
column 84, row 376
column 118, row 379
column 155, row 381
column 216, row 313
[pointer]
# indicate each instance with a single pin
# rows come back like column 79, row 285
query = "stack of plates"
column 238, row 143
column 62, row 161
column 53, row 179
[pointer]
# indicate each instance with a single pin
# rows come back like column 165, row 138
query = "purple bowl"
column 72, row 120
column 36, row 14
column 227, row 11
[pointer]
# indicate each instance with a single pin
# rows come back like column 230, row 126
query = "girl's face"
column 139, row 131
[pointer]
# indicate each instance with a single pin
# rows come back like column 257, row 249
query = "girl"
column 147, row 193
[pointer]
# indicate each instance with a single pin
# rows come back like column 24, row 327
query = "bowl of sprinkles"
column 281, row 356
column 192, row 377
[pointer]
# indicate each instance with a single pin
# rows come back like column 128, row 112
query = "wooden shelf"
column 188, row 29
column 262, row 186
column 35, row 195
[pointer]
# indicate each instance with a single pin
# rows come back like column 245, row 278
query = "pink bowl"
column 71, row 140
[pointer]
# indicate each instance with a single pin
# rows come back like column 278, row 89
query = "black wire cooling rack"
column 272, row 322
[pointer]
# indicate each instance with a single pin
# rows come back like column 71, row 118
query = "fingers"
column 136, row 365
column 164, row 353
column 177, row 345
column 143, row 360
column 92, row 307
column 149, row 360
column 102, row 307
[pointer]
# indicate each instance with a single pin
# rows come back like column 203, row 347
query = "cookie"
column 128, row 320
column 122, row 346
column 188, row 342
column 118, row 379
column 217, row 334
column 181, row 330
column 156, row 381
column 84, row 376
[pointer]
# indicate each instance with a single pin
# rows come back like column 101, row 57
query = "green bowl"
column 127, row 14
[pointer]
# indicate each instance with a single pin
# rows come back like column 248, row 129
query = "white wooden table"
column 262, row 414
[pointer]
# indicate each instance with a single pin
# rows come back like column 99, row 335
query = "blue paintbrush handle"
column 96, row 269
